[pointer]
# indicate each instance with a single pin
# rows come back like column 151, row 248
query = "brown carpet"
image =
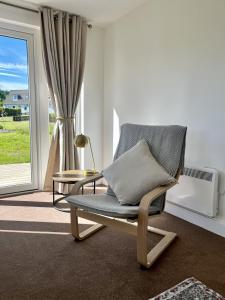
column 40, row 260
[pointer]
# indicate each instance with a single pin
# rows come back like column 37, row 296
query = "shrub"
column 21, row 118
column 1, row 127
column 52, row 117
column 10, row 112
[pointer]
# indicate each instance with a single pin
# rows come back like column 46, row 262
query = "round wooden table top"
column 71, row 176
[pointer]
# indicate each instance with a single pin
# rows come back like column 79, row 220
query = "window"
column 19, row 157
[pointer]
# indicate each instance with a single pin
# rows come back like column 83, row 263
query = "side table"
column 67, row 177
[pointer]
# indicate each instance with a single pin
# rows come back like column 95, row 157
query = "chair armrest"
column 148, row 198
column 79, row 184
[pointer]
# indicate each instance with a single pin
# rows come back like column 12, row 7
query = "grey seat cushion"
column 167, row 144
column 106, row 205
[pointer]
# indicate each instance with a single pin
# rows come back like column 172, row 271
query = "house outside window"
column 15, row 97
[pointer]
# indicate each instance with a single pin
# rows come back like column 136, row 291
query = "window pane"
column 15, row 157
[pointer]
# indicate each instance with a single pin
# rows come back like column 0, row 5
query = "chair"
column 167, row 144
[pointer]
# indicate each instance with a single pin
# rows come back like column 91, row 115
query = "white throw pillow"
column 135, row 173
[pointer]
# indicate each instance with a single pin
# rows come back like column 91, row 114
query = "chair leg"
column 144, row 257
column 142, row 232
column 75, row 226
column 161, row 246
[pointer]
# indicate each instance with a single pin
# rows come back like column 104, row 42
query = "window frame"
column 39, row 93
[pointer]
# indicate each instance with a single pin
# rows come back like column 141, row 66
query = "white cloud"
column 12, row 86
column 9, row 74
column 11, row 66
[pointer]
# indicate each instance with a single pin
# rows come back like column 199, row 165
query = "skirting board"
column 215, row 225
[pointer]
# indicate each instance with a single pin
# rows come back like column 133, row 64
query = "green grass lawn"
column 15, row 146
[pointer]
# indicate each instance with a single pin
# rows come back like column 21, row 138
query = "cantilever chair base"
column 161, row 246
column 145, row 258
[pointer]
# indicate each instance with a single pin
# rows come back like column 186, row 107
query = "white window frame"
column 39, row 107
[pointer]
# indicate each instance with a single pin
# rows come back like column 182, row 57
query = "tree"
column 3, row 95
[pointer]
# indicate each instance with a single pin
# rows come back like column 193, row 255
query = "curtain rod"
column 29, row 9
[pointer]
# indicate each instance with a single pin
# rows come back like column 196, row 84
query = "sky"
column 13, row 64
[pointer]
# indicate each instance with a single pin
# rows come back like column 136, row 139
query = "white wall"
column 19, row 16
column 165, row 64
column 93, row 96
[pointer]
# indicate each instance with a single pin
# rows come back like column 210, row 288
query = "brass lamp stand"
column 81, row 141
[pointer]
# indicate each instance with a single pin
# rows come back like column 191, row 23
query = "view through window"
column 15, row 133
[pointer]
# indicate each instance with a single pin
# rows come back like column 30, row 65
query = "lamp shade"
column 81, row 141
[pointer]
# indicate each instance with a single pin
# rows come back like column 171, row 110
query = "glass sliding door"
column 18, row 149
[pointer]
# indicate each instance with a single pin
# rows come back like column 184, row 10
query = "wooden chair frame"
column 139, row 228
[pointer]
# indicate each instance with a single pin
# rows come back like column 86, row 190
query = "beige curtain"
column 64, row 47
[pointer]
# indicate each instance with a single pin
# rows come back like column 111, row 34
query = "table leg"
column 53, row 193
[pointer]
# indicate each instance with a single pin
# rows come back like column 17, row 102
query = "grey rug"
column 189, row 289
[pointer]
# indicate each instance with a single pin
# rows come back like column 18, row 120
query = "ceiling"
column 96, row 11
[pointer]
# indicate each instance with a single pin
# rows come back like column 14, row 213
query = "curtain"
column 64, row 47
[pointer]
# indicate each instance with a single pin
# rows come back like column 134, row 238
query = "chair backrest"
column 166, row 143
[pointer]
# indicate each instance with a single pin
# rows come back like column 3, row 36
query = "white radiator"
column 197, row 191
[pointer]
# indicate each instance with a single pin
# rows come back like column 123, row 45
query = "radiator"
column 196, row 191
